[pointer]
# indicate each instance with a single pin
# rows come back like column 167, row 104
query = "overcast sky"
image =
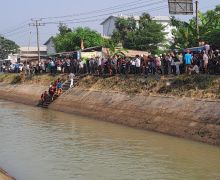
column 15, row 15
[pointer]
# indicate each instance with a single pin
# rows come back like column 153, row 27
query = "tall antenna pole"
column 197, row 20
column 37, row 24
column 29, row 43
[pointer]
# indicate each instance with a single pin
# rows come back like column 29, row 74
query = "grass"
column 44, row 79
column 10, row 78
column 195, row 86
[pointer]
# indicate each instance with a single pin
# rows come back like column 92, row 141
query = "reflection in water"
column 40, row 144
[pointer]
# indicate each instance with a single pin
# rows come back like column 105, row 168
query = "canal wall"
column 25, row 94
column 182, row 117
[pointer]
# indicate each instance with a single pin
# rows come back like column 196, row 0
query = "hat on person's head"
column 156, row 56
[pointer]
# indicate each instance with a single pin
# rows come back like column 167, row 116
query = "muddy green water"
column 38, row 144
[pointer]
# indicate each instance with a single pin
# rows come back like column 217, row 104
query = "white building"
column 50, row 46
column 109, row 24
column 31, row 53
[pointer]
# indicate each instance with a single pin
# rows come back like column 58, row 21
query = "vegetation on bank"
column 7, row 47
column 185, row 33
column 44, row 79
column 195, row 86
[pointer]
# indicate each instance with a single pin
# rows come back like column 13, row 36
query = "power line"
column 14, row 27
column 151, row 10
column 37, row 24
column 17, row 33
column 95, row 20
column 100, row 15
column 123, row 5
column 14, row 30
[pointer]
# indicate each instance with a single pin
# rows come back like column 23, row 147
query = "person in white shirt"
column 205, row 61
column 194, row 69
column 138, row 64
column 207, row 48
column 71, row 77
column 133, row 66
column 81, row 65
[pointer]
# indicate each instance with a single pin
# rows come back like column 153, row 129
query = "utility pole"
column 37, row 24
column 197, row 19
column 29, row 43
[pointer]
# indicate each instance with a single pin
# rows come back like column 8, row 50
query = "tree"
column 210, row 27
column 124, row 26
column 185, row 34
column 71, row 40
column 63, row 29
column 141, row 35
column 7, row 47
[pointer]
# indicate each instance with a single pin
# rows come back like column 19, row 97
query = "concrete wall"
column 182, row 117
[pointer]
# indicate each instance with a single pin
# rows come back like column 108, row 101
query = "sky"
column 15, row 16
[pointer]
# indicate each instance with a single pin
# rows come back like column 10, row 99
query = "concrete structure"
column 31, row 53
column 50, row 46
column 109, row 24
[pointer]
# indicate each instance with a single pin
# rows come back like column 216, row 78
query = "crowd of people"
column 165, row 64
column 55, row 89
column 176, row 63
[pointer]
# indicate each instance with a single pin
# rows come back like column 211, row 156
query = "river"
column 38, row 144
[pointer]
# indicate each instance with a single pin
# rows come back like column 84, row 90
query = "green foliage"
column 63, row 29
column 6, row 47
column 68, row 40
column 147, row 34
column 185, row 34
column 213, row 37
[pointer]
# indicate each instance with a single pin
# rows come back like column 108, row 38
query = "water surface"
column 37, row 144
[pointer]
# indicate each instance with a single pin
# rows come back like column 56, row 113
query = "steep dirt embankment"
column 182, row 117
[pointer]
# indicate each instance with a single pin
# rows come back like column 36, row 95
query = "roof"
column 133, row 53
column 161, row 18
column 91, row 49
column 50, row 39
column 137, row 18
column 196, row 49
column 120, row 16
column 112, row 16
column 42, row 48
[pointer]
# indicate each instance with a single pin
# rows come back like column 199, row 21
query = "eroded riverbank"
column 181, row 117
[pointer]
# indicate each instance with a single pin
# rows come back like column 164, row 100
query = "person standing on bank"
column 188, row 61
column 71, row 77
